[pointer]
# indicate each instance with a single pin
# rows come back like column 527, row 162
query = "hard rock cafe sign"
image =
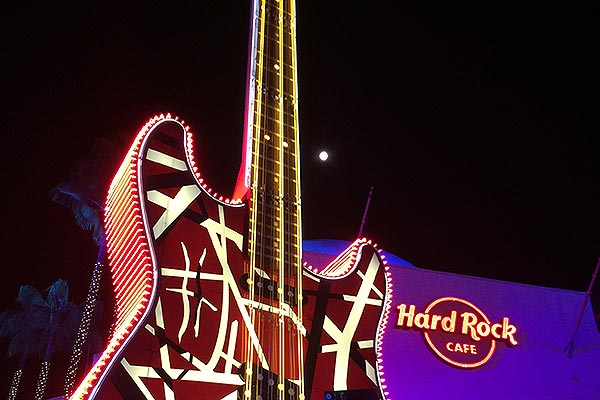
column 458, row 332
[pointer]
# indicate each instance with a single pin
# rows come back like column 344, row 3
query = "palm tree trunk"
column 40, row 389
column 16, row 380
column 86, row 319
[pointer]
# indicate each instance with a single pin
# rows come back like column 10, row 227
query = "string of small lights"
column 43, row 379
column 12, row 392
column 84, row 328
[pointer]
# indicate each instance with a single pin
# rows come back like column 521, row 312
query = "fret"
column 273, row 132
column 273, row 95
column 276, row 59
column 272, row 116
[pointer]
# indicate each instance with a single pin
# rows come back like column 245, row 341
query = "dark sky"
column 477, row 126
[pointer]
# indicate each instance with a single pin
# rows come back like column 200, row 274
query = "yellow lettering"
column 508, row 331
column 434, row 320
column 449, row 323
column 469, row 323
column 422, row 321
column 483, row 329
column 410, row 315
column 497, row 331
column 461, row 348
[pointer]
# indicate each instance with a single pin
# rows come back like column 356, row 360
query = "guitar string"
column 255, row 187
column 276, row 249
column 291, row 178
column 279, row 73
column 289, row 207
column 296, row 195
column 291, row 193
column 263, row 183
column 268, row 169
column 267, row 181
column 278, row 331
column 294, row 198
column 292, row 206
column 288, row 211
column 297, row 191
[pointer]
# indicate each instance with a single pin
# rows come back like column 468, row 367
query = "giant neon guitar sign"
column 212, row 299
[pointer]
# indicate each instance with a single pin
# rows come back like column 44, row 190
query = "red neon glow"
column 130, row 261
column 343, row 263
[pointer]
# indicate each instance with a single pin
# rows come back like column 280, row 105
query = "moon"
column 323, row 155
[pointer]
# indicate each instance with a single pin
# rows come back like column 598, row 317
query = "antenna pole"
column 587, row 296
column 364, row 217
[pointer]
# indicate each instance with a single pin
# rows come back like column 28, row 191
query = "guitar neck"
column 271, row 173
column 272, row 140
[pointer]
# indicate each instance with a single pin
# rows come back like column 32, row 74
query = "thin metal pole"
column 587, row 296
column 364, row 217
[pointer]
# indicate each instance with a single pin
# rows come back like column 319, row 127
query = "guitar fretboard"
column 274, row 235
column 274, row 239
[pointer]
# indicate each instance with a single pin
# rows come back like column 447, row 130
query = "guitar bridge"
column 266, row 288
column 265, row 385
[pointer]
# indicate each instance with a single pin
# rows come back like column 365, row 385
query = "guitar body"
column 186, row 337
column 178, row 252
column 346, row 314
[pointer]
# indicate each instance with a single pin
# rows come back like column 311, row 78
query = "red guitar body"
column 178, row 265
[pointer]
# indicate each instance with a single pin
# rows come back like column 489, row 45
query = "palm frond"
column 10, row 321
column 84, row 190
column 29, row 296
column 58, row 295
column 70, row 317
column 86, row 212
column 32, row 320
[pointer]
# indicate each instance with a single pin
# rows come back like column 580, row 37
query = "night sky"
column 476, row 126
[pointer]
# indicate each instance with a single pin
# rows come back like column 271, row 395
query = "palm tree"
column 38, row 327
column 21, row 324
column 62, row 319
column 83, row 193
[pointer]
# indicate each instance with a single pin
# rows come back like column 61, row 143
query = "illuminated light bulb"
column 267, row 137
column 323, row 155
column 285, row 144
